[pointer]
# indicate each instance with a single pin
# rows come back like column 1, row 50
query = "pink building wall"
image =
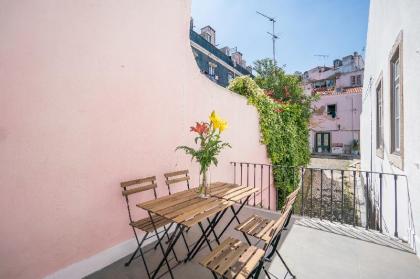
column 94, row 93
column 349, row 107
column 344, row 80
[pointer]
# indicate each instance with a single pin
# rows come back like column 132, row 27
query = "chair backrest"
column 277, row 227
column 175, row 177
column 137, row 186
column 274, row 233
column 290, row 199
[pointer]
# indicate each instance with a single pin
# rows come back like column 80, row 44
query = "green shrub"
column 283, row 123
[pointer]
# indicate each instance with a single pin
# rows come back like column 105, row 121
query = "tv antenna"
column 323, row 56
column 273, row 35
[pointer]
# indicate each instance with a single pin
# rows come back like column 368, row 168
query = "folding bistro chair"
column 236, row 259
column 176, row 177
column 290, row 200
column 145, row 224
column 257, row 226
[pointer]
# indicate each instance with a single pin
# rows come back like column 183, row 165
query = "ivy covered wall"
column 284, row 113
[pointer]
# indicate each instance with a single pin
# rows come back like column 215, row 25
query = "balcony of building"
column 338, row 229
column 312, row 248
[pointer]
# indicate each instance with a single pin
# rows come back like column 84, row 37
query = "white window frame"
column 396, row 105
column 396, row 109
column 212, row 69
column 379, row 117
column 230, row 76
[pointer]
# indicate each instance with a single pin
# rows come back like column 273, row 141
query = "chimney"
column 237, row 57
column 209, row 34
column 226, row 50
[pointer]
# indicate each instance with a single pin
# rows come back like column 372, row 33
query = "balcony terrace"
column 312, row 248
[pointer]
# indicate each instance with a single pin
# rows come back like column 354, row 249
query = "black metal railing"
column 257, row 176
column 348, row 196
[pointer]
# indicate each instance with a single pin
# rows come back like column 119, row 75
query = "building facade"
column 219, row 65
column 335, row 124
column 390, row 116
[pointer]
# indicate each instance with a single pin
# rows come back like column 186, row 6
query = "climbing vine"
column 283, row 117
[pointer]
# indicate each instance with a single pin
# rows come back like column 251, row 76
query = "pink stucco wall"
column 93, row 93
column 349, row 107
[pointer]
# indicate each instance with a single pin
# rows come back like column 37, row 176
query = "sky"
column 305, row 28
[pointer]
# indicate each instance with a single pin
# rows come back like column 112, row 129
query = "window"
column 353, row 80
column 212, row 69
column 379, row 119
column 330, row 83
column 396, row 155
column 395, row 104
column 230, row 76
column 332, row 110
column 359, row 79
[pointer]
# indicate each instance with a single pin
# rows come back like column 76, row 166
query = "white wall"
column 386, row 19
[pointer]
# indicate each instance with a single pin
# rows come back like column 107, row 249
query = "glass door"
column 322, row 142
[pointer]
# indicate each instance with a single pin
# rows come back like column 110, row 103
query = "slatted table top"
column 188, row 209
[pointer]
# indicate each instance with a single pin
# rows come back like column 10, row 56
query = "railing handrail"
column 317, row 168
column 364, row 189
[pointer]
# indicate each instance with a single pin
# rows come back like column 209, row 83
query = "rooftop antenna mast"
column 323, row 56
column 273, row 35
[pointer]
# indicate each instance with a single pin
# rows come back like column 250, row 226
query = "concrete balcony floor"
column 312, row 248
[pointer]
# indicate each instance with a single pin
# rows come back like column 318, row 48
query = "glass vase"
column 203, row 190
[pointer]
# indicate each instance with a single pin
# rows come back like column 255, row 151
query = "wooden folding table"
column 187, row 209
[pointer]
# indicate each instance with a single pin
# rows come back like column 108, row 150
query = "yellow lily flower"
column 218, row 123
column 223, row 125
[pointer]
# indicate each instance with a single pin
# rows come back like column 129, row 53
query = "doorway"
column 322, row 142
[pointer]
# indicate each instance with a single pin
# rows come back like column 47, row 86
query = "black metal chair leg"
column 168, row 251
column 145, row 264
column 257, row 271
column 205, row 237
column 201, row 240
column 132, row 256
column 235, row 213
column 288, row 219
column 139, row 243
column 166, row 232
column 186, row 243
column 285, row 265
column 273, row 245
column 266, row 273
column 214, row 233
column 165, row 255
column 214, row 274
column 247, row 239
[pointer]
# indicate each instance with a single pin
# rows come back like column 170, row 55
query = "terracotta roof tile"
column 351, row 90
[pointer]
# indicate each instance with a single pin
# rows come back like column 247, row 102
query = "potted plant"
column 355, row 147
column 209, row 146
